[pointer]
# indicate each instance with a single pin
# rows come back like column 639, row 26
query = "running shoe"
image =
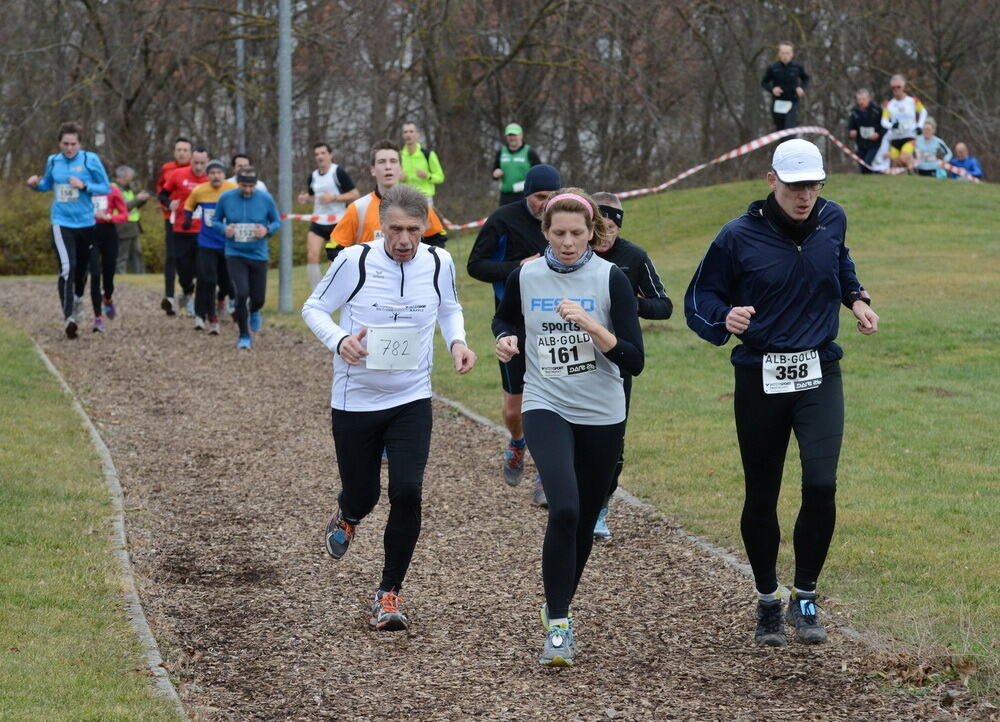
column 803, row 615
column 255, row 321
column 601, row 530
column 513, row 463
column 199, row 323
column 231, row 306
column 71, row 327
column 187, row 301
column 538, row 495
column 544, row 614
column 213, row 326
column 770, row 630
column 339, row 533
column 386, row 616
column 559, row 649
column 78, row 307
column 245, row 342
column 169, row 305
column 109, row 309
column 98, row 325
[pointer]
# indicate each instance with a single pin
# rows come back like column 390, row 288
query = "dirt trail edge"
column 228, row 468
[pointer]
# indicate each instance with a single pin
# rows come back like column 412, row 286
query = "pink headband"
column 571, row 196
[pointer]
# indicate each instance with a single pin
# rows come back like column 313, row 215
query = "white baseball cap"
column 797, row 160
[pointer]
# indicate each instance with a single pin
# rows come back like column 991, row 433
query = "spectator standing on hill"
column 776, row 278
column 75, row 176
column 865, row 125
column 361, row 222
column 329, row 189
column 182, row 158
column 174, row 194
column 786, row 80
column 963, row 160
column 929, row 150
column 511, row 237
column 652, row 299
column 513, row 161
column 421, row 166
column 903, row 117
column 130, row 258
column 111, row 212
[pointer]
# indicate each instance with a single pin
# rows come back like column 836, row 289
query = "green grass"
column 914, row 556
column 66, row 650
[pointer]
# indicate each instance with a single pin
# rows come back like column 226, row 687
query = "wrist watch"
column 859, row 296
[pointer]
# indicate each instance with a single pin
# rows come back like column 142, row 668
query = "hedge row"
column 26, row 234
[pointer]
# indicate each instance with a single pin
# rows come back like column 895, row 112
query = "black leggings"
column 212, row 273
column 169, row 259
column 249, row 280
column 72, row 247
column 359, row 437
column 763, row 426
column 627, row 385
column 185, row 247
column 577, row 463
column 103, row 261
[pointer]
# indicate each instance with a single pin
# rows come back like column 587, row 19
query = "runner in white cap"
column 776, row 277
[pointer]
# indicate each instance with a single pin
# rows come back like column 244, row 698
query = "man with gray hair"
column 390, row 294
column 129, row 246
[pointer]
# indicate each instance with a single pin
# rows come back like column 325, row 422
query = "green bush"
column 26, row 234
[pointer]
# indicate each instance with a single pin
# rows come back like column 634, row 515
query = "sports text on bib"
column 787, row 372
column 393, row 349
column 565, row 354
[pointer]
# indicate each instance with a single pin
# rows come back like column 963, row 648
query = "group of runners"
column 569, row 293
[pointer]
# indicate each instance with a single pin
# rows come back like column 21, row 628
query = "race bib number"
column 100, row 203
column 787, row 372
column 517, row 187
column 245, row 232
column 866, row 131
column 65, row 193
column 565, row 354
column 393, row 349
column 207, row 214
column 782, row 106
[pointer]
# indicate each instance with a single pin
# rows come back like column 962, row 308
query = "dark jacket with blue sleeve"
column 796, row 289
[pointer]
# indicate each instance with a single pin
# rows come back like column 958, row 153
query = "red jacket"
column 168, row 168
column 179, row 185
column 113, row 203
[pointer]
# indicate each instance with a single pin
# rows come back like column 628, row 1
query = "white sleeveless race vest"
column 326, row 183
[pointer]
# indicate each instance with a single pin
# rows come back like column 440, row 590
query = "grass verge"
column 66, row 650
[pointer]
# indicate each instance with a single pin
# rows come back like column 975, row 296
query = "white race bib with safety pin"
column 565, row 354
column 65, row 193
column 245, row 232
column 787, row 372
column 207, row 215
column 866, row 131
column 393, row 349
column 782, row 106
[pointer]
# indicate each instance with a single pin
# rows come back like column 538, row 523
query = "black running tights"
column 359, row 437
column 763, row 425
column 576, row 463
column 103, row 261
column 249, row 279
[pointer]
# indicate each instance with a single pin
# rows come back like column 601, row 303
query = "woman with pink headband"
column 579, row 321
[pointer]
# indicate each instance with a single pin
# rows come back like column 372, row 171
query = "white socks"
column 772, row 597
column 561, row 622
column 314, row 275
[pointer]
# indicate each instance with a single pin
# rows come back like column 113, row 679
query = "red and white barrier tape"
column 730, row 155
column 325, row 220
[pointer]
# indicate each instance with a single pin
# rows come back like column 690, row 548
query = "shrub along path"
column 229, row 472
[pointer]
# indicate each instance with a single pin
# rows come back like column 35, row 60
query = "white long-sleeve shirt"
column 402, row 301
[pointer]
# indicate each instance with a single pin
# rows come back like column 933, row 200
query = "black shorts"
column 321, row 230
column 898, row 143
column 512, row 372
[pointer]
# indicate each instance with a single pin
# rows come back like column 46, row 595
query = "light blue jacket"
column 259, row 208
column 86, row 166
